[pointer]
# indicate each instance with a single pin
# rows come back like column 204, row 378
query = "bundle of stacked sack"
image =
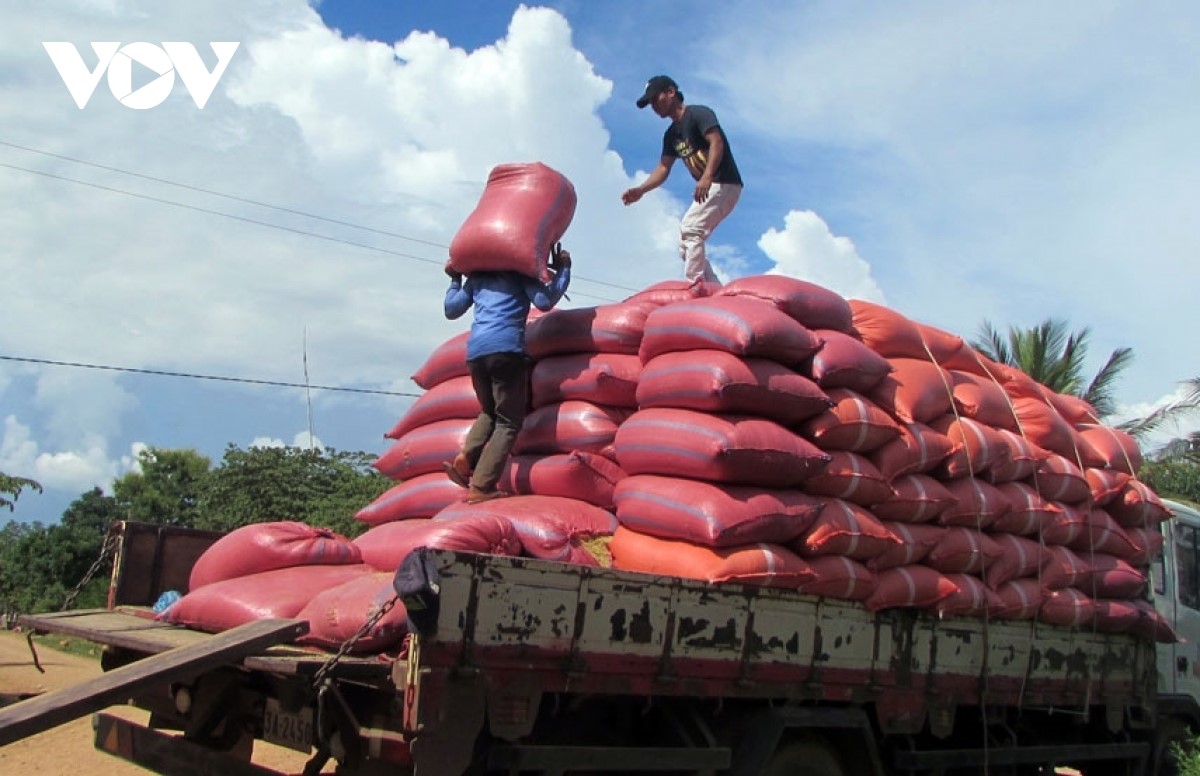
column 771, row 432
column 765, row 432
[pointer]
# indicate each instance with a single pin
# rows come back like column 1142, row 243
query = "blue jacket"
column 502, row 301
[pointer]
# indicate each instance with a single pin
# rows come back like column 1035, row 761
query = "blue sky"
column 1007, row 161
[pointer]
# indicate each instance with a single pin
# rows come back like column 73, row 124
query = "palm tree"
column 1170, row 414
column 1054, row 356
column 11, row 487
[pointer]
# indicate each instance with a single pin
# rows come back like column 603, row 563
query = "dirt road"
column 67, row 749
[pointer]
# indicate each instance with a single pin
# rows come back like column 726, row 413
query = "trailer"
column 518, row 665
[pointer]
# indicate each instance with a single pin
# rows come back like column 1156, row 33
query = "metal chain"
column 107, row 549
column 349, row 643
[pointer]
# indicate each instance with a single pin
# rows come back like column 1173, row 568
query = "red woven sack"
column 1113, row 577
column 853, row 423
column 1058, row 479
column 916, row 542
column 423, row 450
column 851, row 477
column 336, row 614
column 1020, row 558
column 422, row 496
column 983, row 400
column 838, row 577
column 713, row 515
column 1029, row 515
column 1116, row 448
column 1106, row 484
column 671, row 291
column 845, row 362
column 1103, row 534
column 909, row 586
column 385, row 546
column 278, row 593
column 1020, row 599
column 977, row 504
column 1064, row 568
column 1069, row 525
column 1067, row 607
column 845, row 529
column 717, row 381
column 1018, row 460
column 971, row 598
column 916, row 498
column 569, row 426
column 886, row 331
column 1138, row 506
column 549, row 527
column 260, row 547
column 609, row 328
column 977, row 447
column 733, row 449
column 447, row 361
column 585, row 476
column 524, row 210
column 610, row 379
column 739, row 325
column 964, row 551
column 814, row 306
column 914, row 391
column 447, row 400
column 915, row 450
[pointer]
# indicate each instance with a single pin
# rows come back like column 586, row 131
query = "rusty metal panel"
column 620, row 632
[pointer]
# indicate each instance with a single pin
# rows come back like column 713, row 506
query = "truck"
column 518, row 665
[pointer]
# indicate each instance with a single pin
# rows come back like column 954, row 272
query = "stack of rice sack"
column 770, row 432
column 291, row 570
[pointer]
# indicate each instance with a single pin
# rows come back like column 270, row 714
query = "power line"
column 235, row 198
column 258, row 203
column 161, row 373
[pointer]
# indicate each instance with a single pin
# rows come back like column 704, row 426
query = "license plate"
column 293, row 729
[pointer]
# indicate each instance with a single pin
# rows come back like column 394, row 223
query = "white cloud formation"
column 806, row 249
column 87, row 466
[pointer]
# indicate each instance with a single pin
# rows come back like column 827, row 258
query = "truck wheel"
column 812, row 757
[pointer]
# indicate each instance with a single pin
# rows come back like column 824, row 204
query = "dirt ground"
column 68, row 748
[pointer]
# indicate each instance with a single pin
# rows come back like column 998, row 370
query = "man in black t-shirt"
column 695, row 137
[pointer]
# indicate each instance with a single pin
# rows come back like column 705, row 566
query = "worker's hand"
column 702, row 187
column 559, row 258
column 452, row 273
column 631, row 195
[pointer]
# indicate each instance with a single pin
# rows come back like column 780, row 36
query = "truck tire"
column 811, row 757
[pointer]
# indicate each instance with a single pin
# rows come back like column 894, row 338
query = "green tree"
column 323, row 488
column 1176, row 478
column 11, row 487
column 166, row 490
column 40, row 565
column 1054, row 355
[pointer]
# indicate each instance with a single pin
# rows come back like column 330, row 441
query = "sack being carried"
column 525, row 209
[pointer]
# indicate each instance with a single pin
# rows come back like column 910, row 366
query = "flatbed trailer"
column 516, row 665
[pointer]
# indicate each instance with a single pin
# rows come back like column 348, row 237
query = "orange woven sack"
column 886, row 331
column 909, row 586
column 914, row 391
column 766, row 565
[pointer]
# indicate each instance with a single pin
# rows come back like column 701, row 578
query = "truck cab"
column 1175, row 575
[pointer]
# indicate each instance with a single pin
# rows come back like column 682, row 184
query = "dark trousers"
column 501, row 382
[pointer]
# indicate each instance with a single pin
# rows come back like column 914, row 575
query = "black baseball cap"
column 659, row 83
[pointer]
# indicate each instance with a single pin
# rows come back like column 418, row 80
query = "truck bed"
column 568, row 628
